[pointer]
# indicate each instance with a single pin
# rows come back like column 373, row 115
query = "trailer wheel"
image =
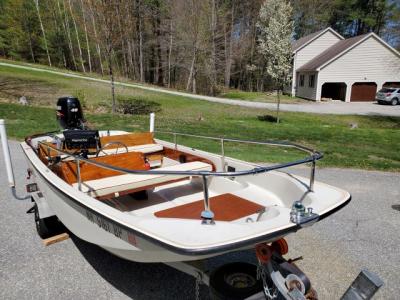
column 47, row 226
column 235, row 281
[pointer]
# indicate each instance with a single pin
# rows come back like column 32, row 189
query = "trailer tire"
column 234, row 281
column 47, row 226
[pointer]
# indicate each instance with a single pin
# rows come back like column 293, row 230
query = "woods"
column 200, row 46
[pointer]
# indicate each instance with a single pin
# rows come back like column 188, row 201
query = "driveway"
column 364, row 234
column 342, row 108
column 335, row 107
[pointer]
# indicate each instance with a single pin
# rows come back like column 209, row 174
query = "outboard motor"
column 69, row 113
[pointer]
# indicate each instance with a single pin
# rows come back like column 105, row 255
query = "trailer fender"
column 45, row 210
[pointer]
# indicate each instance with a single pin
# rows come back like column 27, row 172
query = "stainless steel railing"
column 207, row 214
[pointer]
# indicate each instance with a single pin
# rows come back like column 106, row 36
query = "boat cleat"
column 301, row 217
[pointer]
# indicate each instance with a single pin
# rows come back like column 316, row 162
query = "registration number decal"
column 116, row 230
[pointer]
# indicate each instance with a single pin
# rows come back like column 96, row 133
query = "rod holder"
column 6, row 153
column 152, row 118
column 312, row 175
column 223, row 154
column 78, row 173
column 175, row 141
column 207, row 215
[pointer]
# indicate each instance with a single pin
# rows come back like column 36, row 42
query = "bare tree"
column 86, row 36
column 106, row 11
column 43, row 32
column 170, row 51
column 92, row 14
column 77, row 36
column 228, row 45
column 67, row 30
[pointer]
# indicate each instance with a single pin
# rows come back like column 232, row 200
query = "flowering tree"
column 275, row 28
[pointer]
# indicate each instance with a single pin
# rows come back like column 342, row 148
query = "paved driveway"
column 365, row 234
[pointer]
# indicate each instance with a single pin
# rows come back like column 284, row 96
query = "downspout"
column 318, row 87
column 294, row 77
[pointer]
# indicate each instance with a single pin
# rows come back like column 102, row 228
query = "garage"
column 363, row 91
column 392, row 84
column 333, row 91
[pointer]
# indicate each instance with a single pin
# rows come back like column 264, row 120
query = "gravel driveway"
column 365, row 234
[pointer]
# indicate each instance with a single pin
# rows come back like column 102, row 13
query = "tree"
column 106, row 17
column 275, row 26
column 43, row 32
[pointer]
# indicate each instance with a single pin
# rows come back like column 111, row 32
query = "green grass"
column 373, row 145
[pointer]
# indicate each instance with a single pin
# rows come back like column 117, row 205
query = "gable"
column 316, row 47
column 371, row 60
column 305, row 40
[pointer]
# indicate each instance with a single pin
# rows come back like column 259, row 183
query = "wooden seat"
column 135, row 182
column 146, row 149
column 129, row 139
column 67, row 170
column 226, row 207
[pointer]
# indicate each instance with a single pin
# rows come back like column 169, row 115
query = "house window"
column 311, row 81
column 301, row 80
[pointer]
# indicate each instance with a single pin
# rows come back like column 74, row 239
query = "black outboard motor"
column 69, row 113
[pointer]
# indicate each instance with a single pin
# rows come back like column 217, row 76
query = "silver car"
column 388, row 95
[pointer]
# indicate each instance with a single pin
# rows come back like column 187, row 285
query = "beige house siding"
column 369, row 61
column 316, row 47
column 310, row 51
column 306, row 91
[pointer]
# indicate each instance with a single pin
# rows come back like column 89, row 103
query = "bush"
column 80, row 94
column 267, row 118
column 137, row 106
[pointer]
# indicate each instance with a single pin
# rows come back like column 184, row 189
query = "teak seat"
column 129, row 139
column 67, row 170
column 136, row 182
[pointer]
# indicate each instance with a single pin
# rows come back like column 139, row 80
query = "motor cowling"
column 69, row 113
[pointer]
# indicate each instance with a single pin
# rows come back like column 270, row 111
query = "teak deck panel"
column 226, row 207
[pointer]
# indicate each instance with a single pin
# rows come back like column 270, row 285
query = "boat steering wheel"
column 109, row 144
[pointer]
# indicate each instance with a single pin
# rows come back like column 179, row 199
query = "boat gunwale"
column 184, row 250
column 315, row 155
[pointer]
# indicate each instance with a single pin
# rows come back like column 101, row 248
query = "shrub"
column 267, row 118
column 133, row 106
column 81, row 95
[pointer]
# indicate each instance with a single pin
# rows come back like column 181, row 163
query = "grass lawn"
column 373, row 145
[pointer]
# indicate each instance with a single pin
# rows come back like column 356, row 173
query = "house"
column 328, row 66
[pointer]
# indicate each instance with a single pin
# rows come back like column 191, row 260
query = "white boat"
column 148, row 200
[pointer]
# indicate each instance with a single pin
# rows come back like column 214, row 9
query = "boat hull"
column 78, row 213
column 123, row 242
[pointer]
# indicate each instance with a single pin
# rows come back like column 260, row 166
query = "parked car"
column 388, row 95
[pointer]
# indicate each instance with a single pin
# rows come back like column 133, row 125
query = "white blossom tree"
column 275, row 28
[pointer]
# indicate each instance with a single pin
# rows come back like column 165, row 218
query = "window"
column 311, row 80
column 301, row 80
